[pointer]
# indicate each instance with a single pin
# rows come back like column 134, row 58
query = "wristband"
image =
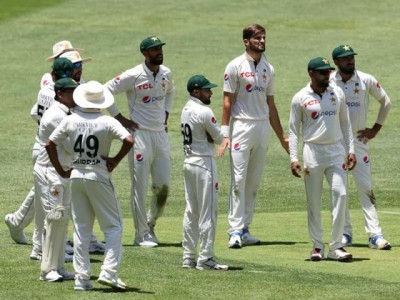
column 225, row 131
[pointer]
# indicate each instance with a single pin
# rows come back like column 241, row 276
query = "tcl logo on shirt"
column 311, row 102
column 247, row 74
column 145, row 86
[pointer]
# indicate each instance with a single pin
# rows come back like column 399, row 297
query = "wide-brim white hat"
column 61, row 47
column 93, row 95
column 74, row 57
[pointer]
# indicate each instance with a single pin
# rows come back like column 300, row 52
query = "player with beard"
column 357, row 86
column 150, row 90
column 320, row 117
column 248, row 113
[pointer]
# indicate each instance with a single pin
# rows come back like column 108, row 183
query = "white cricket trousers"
column 92, row 199
column 249, row 145
column 150, row 155
column 325, row 161
column 200, row 217
column 362, row 178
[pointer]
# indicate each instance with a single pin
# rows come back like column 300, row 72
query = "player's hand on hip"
column 221, row 149
column 66, row 174
column 351, row 161
column 111, row 163
column 296, row 169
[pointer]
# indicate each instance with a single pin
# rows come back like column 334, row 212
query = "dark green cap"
column 63, row 67
column 319, row 63
column 342, row 51
column 65, row 83
column 199, row 82
column 150, row 42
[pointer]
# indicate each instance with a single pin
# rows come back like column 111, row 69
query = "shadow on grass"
column 357, row 259
column 108, row 290
column 272, row 243
column 160, row 245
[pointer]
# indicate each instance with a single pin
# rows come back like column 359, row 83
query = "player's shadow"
column 285, row 243
column 160, row 245
column 354, row 260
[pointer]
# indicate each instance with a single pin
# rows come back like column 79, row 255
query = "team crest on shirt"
column 139, row 157
column 236, row 147
column 366, row 159
column 226, row 77
column 333, row 100
column 54, row 192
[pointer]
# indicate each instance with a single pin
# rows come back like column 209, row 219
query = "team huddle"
column 72, row 162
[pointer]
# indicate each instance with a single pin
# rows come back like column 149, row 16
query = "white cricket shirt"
column 90, row 134
column 319, row 119
column 197, row 119
column 357, row 90
column 149, row 95
column 251, row 84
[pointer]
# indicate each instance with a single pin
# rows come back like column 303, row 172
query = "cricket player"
column 248, row 112
column 320, row 117
column 149, row 89
column 200, row 131
column 90, row 133
column 357, row 87
column 52, row 192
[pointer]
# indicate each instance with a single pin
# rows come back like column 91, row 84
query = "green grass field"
column 202, row 37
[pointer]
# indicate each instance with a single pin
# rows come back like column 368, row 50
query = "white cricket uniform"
column 51, row 190
column 357, row 90
column 323, row 123
column 149, row 97
column 90, row 133
column 249, row 133
column 200, row 178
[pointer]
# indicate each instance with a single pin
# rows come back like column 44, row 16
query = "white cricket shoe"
column 347, row 240
column 16, row 234
column 340, row 254
column 248, row 239
column 189, row 263
column 235, row 241
column 211, row 264
column 111, row 281
column 35, row 255
column 317, row 254
column 83, row 285
column 379, row 242
column 153, row 235
column 146, row 242
column 52, row 276
column 97, row 247
column 66, row 274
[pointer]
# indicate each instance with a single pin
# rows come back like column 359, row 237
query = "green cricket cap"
column 65, row 83
column 150, row 42
column 63, row 67
column 199, row 82
column 342, row 51
column 319, row 63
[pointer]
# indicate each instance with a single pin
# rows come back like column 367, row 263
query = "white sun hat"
column 93, row 95
column 74, row 57
column 61, row 47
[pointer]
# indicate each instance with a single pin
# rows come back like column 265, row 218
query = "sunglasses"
column 77, row 65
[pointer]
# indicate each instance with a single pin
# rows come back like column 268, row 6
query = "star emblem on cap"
column 325, row 61
column 346, row 48
column 154, row 38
